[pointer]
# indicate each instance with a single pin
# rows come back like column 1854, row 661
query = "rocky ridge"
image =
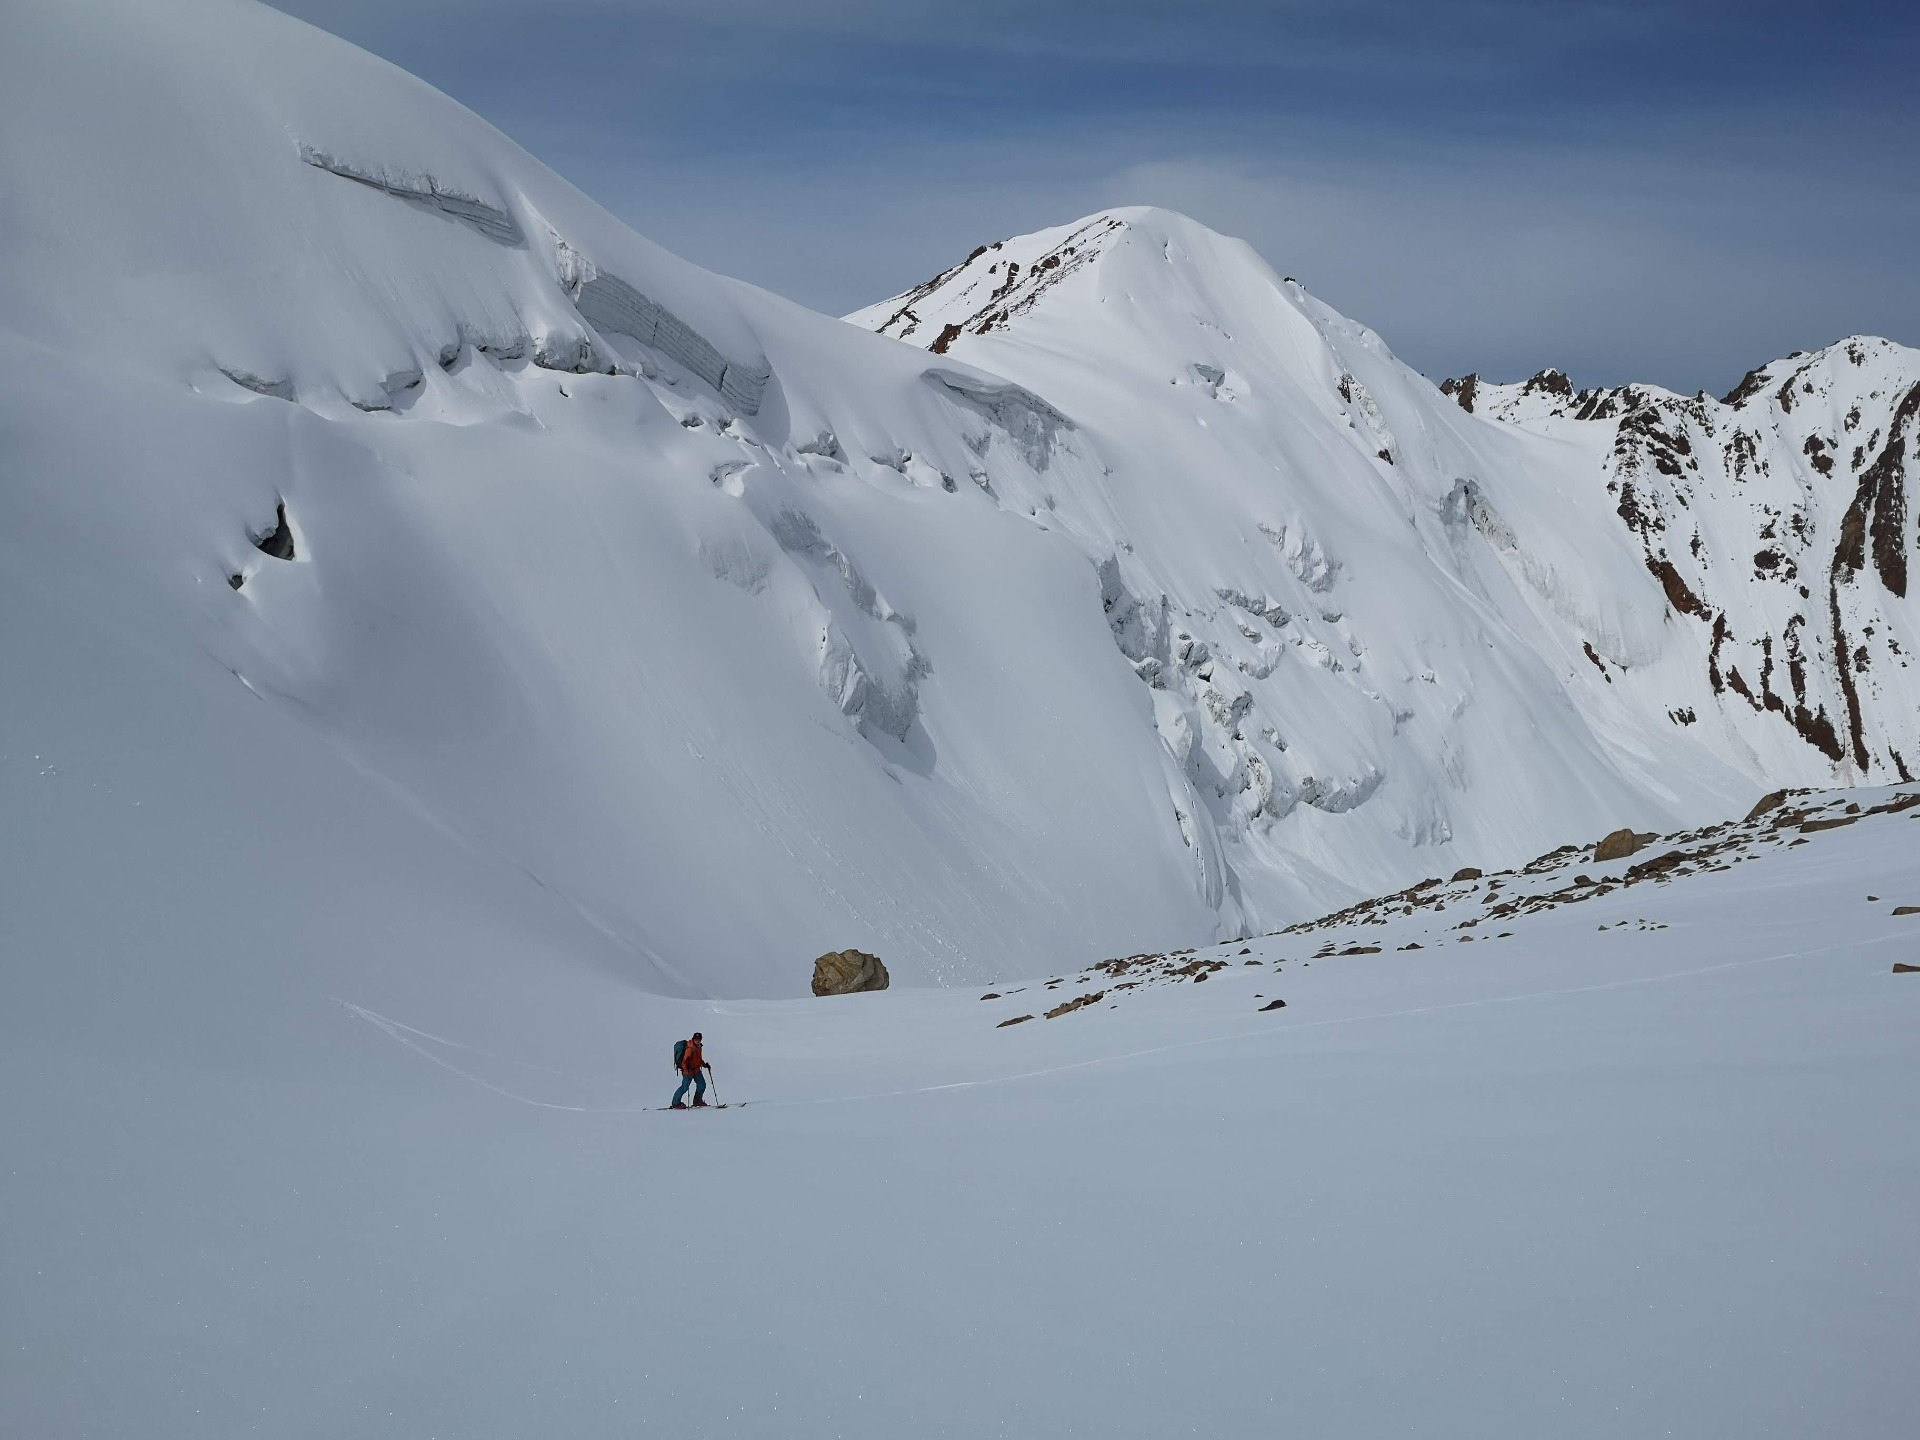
column 1409, row 919
column 1776, row 520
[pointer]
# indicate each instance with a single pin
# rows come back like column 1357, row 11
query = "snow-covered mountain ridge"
column 1793, row 680
column 696, row 634
column 1777, row 518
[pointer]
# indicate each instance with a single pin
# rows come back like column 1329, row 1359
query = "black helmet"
column 696, row 1034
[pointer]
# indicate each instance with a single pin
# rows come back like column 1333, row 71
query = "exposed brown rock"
column 847, row 972
column 1078, row 1002
column 1658, row 865
column 1679, row 594
column 1900, row 969
column 1906, row 909
column 1618, row 845
column 1770, row 801
column 1016, row 1020
column 1467, row 872
column 1463, row 390
column 1281, row 1004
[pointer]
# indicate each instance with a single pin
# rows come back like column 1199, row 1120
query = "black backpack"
column 679, row 1055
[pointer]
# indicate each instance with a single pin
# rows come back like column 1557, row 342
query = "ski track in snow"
column 403, row 1034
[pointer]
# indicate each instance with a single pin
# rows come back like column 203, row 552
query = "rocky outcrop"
column 1778, row 521
column 847, row 972
column 988, row 289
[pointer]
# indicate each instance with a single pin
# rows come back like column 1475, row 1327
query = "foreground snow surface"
column 1643, row 1165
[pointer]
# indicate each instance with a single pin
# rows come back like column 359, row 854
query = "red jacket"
column 693, row 1061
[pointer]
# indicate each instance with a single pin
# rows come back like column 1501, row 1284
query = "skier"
column 690, row 1060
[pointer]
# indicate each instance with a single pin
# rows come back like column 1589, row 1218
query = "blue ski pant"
column 699, row 1083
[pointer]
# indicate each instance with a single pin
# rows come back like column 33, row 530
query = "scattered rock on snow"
column 1618, row 845
column 847, row 972
column 1078, row 1002
column 1467, row 872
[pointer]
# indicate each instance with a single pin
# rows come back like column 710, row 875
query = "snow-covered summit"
column 1113, row 255
column 1611, row 464
column 1129, row 281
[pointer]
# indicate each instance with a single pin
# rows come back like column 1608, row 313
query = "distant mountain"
column 1765, row 606
column 1777, row 518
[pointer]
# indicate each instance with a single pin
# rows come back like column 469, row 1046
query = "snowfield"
column 453, row 648
column 1632, row 1164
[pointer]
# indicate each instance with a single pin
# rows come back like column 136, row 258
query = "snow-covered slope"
column 1160, row 602
column 1590, row 1149
column 652, row 595
column 1497, row 650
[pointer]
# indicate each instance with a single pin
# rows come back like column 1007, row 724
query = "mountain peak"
column 996, row 284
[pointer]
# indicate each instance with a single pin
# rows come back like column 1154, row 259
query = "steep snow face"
column 1378, row 618
column 1777, row 523
column 667, row 609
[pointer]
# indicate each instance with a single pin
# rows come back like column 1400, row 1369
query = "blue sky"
column 1634, row 189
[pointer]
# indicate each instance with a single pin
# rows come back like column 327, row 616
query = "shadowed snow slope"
column 715, row 691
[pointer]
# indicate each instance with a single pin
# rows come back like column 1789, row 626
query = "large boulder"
column 1619, row 845
column 844, row 972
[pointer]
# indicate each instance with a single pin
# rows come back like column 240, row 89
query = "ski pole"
column 715, row 1084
